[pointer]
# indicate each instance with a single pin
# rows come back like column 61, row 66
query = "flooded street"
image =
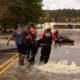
column 33, row 71
column 28, row 73
column 4, row 56
column 64, row 63
column 39, row 40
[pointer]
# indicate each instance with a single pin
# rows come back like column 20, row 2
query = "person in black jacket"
column 31, row 45
column 46, row 40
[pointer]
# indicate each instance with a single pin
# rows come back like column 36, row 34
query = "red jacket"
column 32, row 32
column 53, row 37
column 47, row 39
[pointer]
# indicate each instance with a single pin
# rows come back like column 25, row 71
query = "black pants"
column 45, row 52
column 32, row 50
column 22, row 48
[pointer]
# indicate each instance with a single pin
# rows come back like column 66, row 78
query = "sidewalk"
column 4, row 37
column 4, row 47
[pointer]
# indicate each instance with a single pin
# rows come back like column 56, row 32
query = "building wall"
column 65, row 27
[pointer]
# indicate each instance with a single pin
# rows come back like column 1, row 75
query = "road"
column 4, row 56
column 27, row 72
column 70, row 54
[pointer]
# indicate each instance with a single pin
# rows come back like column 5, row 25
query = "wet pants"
column 45, row 52
column 31, row 52
column 30, row 49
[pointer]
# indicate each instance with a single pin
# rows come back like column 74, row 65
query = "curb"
column 4, row 37
column 8, row 50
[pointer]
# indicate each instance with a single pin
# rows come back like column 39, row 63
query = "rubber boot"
column 32, row 59
column 45, row 61
column 22, row 60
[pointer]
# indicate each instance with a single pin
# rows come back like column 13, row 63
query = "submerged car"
column 65, row 39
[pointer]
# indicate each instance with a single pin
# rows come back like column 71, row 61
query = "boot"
column 45, row 61
column 32, row 59
column 21, row 62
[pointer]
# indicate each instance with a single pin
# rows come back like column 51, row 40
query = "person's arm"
column 53, row 37
column 41, row 38
column 30, row 36
column 56, row 40
column 42, row 35
column 10, row 37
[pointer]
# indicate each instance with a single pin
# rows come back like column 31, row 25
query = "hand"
column 59, row 44
column 7, row 43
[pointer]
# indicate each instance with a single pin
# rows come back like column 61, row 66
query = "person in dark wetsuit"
column 31, row 45
column 56, row 33
column 46, row 40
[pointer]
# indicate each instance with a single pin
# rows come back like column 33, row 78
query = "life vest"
column 31, row 31
column 47, row 39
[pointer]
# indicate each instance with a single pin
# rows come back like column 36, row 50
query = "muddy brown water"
column 29, row 72
column 71, row 53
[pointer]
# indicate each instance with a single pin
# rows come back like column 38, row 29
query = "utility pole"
column 48, row 15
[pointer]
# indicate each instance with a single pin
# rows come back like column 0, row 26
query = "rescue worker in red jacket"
column 31, row 45
column 56, row 33
column 46, row 40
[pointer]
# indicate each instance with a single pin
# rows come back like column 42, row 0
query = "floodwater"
column 64, row 64
column 59, row 67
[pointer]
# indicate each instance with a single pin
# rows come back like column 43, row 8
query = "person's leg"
column 22, row 59
column 35, row 50
column 32, row 49
column 33, row 53
column 47, row 54
column 28, row 49
column 19, row 58
column 42, row 53
column 23, row 52
column 31, row 59
column 28, row 53
column 19, row 48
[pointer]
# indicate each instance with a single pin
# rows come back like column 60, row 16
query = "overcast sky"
column 61, row 4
